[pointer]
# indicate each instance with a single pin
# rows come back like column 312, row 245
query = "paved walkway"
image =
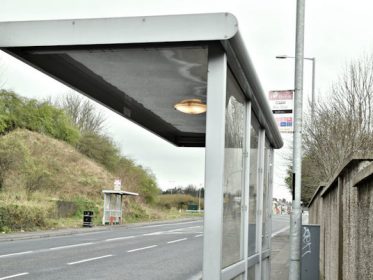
column 280, row 256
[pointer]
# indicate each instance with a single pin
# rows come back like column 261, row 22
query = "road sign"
column 282, row 105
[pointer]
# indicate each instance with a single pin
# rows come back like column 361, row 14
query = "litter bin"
column 87, row 218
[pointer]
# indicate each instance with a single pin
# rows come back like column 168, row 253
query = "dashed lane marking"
column 71, row 246
column 13, row 276
column 88, row 260
column 120, row 238
column 177, row 240
column 15, row 254
column 143, row 248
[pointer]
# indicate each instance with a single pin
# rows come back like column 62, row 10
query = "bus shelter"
column 145, row 67
column 113, row 206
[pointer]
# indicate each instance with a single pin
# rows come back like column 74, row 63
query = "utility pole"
column 296, row 213
column 199, row 200
column 313, row 89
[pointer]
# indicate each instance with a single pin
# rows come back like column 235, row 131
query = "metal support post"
column 214, row 163
column 313, row 88
column 296, row 214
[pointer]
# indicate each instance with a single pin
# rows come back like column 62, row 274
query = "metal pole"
column 199, row 199
column 296, row 216
column 313, row 88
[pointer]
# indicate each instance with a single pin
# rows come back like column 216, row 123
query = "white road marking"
column 120, row 238
column 151, row 226
column 198, row 235
column 153, row 233
column 279, row 231
column 170, row 224
column 13, row 276
column 193, row 227
column 71, row 246
column 16, row 254
column 143, row 248
column 177, row 240
column 91, row 259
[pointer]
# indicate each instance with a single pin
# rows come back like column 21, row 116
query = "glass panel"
column 253, row 189
column 233, row 174
column 265, row 269
column 239, row 277
column 267, row 205
column 251, row 273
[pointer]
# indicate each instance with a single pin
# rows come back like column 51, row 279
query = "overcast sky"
column 337, row 31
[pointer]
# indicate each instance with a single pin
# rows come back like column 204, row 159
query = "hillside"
column 32, row 162
column 55, row 162
column 47, row 183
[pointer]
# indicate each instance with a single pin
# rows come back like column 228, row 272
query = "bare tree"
column 83, row 113
column 342, row 125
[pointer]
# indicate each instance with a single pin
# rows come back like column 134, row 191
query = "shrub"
column 99, row 148
column 12, row 156
column 18, row 112
column 138, row 179
column 22, row 217
column 84, row 204
column 179, row 201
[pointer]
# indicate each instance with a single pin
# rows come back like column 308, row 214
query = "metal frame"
column 259, row 211
column 214, row 172
column 128, row 30
column 247, row 182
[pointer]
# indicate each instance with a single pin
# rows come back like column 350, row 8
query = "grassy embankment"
column 48, row 184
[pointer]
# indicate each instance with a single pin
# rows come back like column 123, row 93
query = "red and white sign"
column 282, row 105
column 117, row 184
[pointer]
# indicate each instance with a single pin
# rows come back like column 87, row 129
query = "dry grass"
column 69, row 173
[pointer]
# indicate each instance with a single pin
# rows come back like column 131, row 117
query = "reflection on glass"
column 253, row 189
column 267, row 205
column 239, row 277
column 265, row 269
column 233, row 174
column 251, row 273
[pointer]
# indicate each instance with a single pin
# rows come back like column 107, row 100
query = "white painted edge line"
column 279, row 231
column 143, row 248
column 71, row 246
column 198, row 235
column 120, row 238
column 15, row 254
column 88, row 260
column 177, row 240
column 13, row 276
column 169, row 224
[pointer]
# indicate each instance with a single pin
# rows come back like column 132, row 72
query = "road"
column 157, row 251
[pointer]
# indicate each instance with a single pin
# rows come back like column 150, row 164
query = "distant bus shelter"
column 113, row 206
column 141, row 68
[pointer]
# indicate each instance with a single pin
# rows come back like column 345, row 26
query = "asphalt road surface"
column 157, row 251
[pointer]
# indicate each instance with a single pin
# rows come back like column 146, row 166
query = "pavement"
column 280, row 256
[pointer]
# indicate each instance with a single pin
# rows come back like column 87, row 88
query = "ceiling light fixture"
column 191, row 106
